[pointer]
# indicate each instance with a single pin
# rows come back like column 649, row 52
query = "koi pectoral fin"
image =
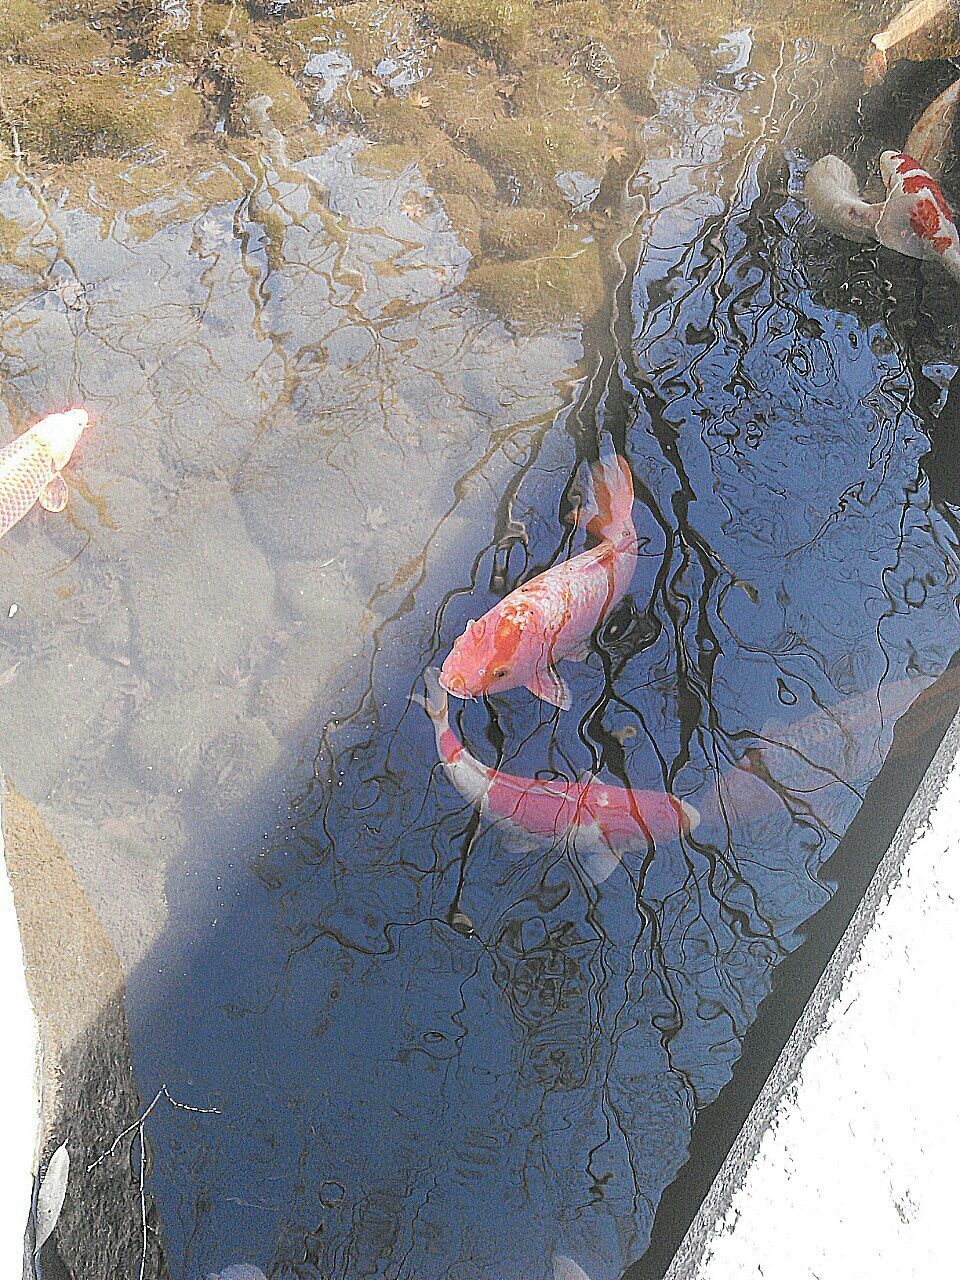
column 53, row 496
column 600, row 864
column 548, row 684
column 580, row 654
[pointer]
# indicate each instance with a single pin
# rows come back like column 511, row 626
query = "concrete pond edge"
column 709, row 1221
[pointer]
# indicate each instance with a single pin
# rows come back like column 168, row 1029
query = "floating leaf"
column 53, row 1191
column 567, row 1269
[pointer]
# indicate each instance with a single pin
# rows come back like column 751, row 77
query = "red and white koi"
column 30, row 466
column 929, row 139
column 916, row 219
column 599, row 820
column 552, row 617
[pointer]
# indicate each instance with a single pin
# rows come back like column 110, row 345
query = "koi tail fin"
column 434, row 698
column 951, row 263
column 607, row 510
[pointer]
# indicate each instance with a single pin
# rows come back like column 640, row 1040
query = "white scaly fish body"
column 30, row 466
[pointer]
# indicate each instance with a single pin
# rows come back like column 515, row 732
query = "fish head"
column 892, row 164
column 486, row 657
column 60, row 432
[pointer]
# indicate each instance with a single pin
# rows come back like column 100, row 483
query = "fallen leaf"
column 418, row 99
column 52, row 1193
column 375, row 518
column 616, row 154
column 8, row 675
column 411, row 206
column 71, row 293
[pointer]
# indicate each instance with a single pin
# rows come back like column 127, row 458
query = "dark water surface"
column 398, row 1097
column 416, row 1053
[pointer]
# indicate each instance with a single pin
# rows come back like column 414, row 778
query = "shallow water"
column 334, row 419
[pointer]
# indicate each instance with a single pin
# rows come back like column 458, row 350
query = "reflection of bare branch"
column 137, row 1128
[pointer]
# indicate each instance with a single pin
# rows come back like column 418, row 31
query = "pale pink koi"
column 599, row 820
column 833, row 196
column 30, row 466
column 520, row 640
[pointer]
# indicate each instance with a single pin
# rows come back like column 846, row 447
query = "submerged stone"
column 553, row 286
column 499, row 26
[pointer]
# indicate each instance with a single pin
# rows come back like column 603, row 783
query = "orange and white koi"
column 929, row 139
column 916, row 219
column 30, row 466
column 599, row 820
column 912, row 17
column 520, row 640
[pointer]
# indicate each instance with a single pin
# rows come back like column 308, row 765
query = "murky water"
column 350, row 304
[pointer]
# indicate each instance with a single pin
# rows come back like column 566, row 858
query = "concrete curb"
column 709, row 1222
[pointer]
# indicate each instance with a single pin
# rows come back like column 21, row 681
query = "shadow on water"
column 410, row 1050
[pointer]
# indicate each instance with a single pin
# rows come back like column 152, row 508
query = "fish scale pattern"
column 26, row 468
column 582, row 588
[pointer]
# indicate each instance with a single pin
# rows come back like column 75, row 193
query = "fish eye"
column 499, row 673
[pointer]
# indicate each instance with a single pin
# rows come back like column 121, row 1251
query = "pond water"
column 351, row 296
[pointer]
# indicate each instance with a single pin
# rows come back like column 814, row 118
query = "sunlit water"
column 421, row 1053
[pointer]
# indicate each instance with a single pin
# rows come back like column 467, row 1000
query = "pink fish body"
column 520, row 640
column 602, row 821
column 30, row 466
column 916, row 219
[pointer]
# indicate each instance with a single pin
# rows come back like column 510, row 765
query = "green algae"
column 520, row 233
column 394, row 120
column 466, row 214
column 104, row 115
column 450, row 171
column 500, row 27
column 70, row 48
column 295, row 41
column 676, row 71
column 249, row 76
column 21, row 24
column 634, row 62
column 562, row 285
column 530, row 152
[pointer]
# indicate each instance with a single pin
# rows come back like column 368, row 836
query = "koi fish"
column 833, row 197
column 930, row 136
column 600, row 820
column 30, row 466
column 916, row 219
column 911, row 18
column 521, row 639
